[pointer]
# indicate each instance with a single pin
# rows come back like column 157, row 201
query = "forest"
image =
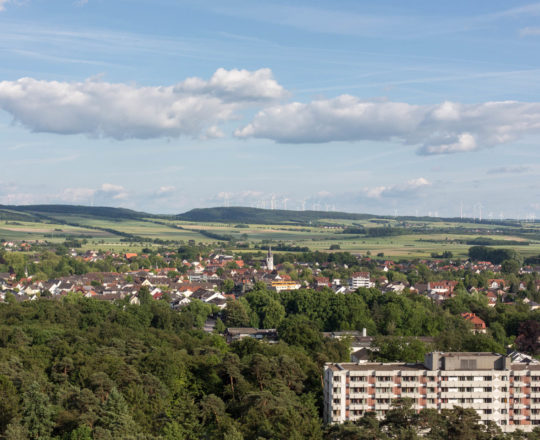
column 79, row 368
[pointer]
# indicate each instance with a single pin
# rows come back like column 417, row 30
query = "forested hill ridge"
column 217, row 214
column 235, row 214
column 264, row 216
column 94, row 211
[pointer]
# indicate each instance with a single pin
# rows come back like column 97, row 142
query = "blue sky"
column 415, row 107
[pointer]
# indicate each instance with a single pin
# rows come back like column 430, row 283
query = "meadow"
column 424, row 239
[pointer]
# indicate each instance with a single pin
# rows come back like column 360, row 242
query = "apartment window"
column 337, row 390
column 504, row 411
column 504, row 389
column 487, row 390
column 337, row 401
column 409, row 378
column 358, row 378
column 487, row 411
column 337, row 378
column 488, row 378
column 517, row 412
column 336, row 412
column 385, row 378
column 535, row 378
column 517, row 389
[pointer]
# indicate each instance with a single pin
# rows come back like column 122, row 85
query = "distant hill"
column 95, row 211
column 264, row 216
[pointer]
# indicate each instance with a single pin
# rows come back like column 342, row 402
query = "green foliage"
column 496, row 256
column 97, row 370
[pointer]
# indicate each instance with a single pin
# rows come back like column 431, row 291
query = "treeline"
column 494, row 255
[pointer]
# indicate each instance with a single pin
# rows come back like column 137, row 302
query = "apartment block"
column 499, row 389
column 360, row 279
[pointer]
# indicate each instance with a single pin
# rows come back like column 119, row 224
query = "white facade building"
column 500, row 391
column 360, row 279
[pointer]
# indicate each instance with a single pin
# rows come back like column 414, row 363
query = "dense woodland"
column 79, row 368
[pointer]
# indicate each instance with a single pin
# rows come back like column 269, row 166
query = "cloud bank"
column 122, row 111
column 196, row 107
column 435, row 129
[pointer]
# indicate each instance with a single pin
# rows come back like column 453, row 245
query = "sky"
column 400, row 108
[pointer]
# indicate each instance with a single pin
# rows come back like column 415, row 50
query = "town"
column 446, row 306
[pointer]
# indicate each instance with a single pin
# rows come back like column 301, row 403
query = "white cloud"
column 77, row 195
column 3, row 4
column 164, row 191
column 122, row 111
column 109, row 190
column 397, row 190
column 435, row 129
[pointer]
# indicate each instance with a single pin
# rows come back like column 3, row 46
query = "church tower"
column 270, row 259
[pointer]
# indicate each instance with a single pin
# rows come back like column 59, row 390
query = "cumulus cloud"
column 122, row 111
column 435, row 129
column 397, row 190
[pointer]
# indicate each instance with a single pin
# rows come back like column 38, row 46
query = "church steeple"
column 270, row 259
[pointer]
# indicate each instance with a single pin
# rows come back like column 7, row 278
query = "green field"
column 59, row 227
